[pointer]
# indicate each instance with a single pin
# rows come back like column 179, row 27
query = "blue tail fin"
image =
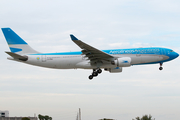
column 11, row 37
column 16, row 43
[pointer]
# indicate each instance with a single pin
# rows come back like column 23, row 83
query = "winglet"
column 73, row 37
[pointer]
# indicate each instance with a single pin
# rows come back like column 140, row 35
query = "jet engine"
column 122, row 62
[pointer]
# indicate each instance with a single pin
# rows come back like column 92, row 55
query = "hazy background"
column 105, row 24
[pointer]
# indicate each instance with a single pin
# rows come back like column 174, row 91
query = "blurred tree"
column 25, row 118
column 40, row 117
column 145, row 117
column 46, row 117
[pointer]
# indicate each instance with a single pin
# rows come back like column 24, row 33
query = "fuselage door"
column 163, row 52
column 43, row 58
column 138, row 57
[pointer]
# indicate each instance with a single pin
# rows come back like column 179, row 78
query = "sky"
column 45, row 25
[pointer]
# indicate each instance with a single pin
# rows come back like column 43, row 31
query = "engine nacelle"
column 122, row 62
column 114, row 70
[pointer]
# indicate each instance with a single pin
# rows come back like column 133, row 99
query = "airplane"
column 88, row 58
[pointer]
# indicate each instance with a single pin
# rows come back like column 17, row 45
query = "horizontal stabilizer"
column 17, row 56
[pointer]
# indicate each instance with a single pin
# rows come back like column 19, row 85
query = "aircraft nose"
column 177, row 54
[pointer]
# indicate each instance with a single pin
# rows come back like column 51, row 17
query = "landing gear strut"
column 160, row 68
column 95, row 73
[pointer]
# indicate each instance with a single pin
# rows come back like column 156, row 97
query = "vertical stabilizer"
column 16, row 43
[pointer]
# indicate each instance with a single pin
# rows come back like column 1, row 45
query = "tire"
column 99, row 71
column 90, row 77
column 160, row 68
column 95, row 74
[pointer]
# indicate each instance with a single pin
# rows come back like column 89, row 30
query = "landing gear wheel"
column 160, row 68
column 90, row 77
column 95, row 74
column 99, row 71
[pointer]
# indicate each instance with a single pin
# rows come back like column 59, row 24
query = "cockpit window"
column 171, row 51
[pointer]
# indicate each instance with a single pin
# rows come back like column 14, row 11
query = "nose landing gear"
column 95, row 73
column 161, row 68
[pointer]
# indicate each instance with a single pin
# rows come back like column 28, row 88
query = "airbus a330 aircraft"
column 88, row 58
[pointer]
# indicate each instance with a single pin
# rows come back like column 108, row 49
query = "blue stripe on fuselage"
column 149, row 51
column 62, row 53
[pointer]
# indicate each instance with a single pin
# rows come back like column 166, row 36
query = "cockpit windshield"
column 171, row 51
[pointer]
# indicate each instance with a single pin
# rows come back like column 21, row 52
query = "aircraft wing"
column 92, row 53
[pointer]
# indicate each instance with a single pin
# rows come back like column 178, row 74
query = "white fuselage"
column 79, row 61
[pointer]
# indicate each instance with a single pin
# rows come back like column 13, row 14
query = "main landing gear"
column 161, row 68
column 95, row 73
